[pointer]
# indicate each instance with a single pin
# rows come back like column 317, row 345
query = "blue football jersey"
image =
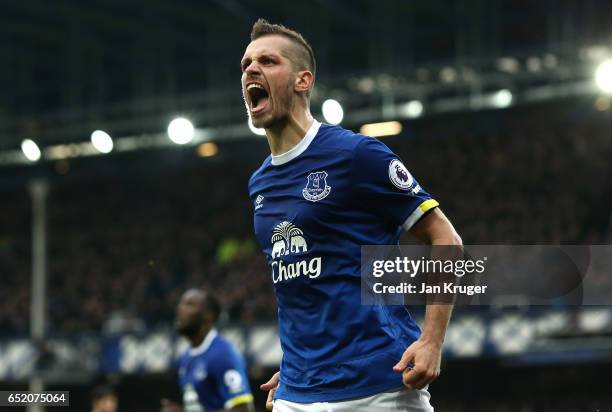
column 213, row 376
column 314, row 207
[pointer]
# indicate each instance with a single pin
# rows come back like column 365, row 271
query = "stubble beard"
column 282, row 107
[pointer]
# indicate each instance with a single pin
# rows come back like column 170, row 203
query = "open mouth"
column 258, row 96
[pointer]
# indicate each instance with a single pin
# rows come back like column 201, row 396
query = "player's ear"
column 303, row 81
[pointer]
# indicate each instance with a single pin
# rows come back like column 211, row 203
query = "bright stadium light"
column 508, row 64
column 207, row 149
column 102, row 141
column 534, row 64
column 603, row 76
column 30, row 150
column 180, row 130
column 412, row 109
column 332, row 111
column 448, row 74
column 381, row 129
column 256, row 130
column 502, row 98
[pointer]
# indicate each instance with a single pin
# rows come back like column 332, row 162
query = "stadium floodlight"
column 381, row 129
column 534, row 64
column 207, row 149
column 102, row 141
column 595, row 53
column 448, row 74
column 502, row 98
column 508, row 65
column 412, row 109
column 30, row 150
column 332, row 111
column 550, row 61
column 256, row 130
column 180, row 130
column 603, row 76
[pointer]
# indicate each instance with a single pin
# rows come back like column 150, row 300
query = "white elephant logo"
column 279, row 247
column 298, row 244
column 286, row 238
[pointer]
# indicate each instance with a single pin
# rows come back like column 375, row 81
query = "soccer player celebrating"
column 323, row 193
column 212, row 374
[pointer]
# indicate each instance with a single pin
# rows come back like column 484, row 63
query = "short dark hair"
column 305, row 56
column 102, row 391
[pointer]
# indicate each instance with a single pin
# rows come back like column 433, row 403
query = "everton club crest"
column 316, row 186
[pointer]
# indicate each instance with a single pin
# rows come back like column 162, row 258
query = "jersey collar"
column 299, row 148
column 203, row 347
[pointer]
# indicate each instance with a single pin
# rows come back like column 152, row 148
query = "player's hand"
column 169, row 406
column 271, row 386
column 420, row 364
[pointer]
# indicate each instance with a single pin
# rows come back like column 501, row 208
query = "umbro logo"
column 259, row 202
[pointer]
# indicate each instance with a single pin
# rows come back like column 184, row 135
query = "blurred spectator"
column 103, row 399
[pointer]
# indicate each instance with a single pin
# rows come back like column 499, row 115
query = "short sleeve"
column 386, row 185
column 231, row 379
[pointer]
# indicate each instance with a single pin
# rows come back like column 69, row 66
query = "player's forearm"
column 437, row 317
column 440, row 232
column 445, row 235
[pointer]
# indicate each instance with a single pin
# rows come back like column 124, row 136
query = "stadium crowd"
column 123, row 248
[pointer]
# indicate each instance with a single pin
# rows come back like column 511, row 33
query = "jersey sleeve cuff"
column 238, row 400
column 419, row 212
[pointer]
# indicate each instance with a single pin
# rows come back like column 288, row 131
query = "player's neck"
column 287, row 135
column 197, row 339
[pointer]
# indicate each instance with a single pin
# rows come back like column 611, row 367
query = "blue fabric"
column 312, row 214
column 210, row 379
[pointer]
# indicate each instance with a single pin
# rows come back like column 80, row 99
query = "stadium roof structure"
column 130, row 67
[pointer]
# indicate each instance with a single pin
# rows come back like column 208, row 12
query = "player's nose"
column 252, row 69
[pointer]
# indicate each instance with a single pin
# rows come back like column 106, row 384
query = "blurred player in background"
column 323, row 193
column 212, row 374
column 103, row 399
